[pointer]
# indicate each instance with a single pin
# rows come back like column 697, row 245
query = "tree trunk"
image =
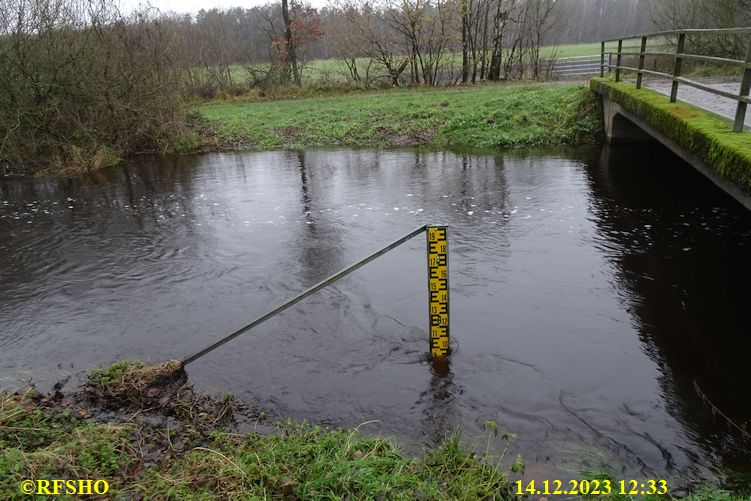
column 484, row 53
column 499, row 21
column 291, row 56
column 465, row 42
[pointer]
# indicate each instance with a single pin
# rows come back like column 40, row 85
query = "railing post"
column 677, row 68
column 641, row 61
column 618, row 61
column 610, row 62
column 602, row 59
column 740, row 112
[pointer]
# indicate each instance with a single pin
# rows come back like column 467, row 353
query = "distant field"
column 593, row 49
column 335, row 69
column 572, row 50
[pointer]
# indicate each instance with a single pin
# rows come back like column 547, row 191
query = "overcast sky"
column 193, row 6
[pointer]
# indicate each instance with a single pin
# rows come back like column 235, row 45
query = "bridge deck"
column 716, row 104
column 704, row 140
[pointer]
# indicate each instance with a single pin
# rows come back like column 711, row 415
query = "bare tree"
column 425, row 27
column 342, row 41
column 680, row 14
column 501, row 11
column 302, row 25
column 540, row 22
column 375, row 38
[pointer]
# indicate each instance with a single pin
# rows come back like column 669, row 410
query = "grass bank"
column 480, row 117
column 143, row 430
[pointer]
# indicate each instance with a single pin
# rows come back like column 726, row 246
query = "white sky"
column 193, row 6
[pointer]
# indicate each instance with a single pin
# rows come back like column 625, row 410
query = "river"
column 593, row 291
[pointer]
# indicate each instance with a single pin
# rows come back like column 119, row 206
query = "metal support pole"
column 740, row 112
column 303, row 295
column 438, row 288
column 602, row 59
column 641, row 61
column 677, row 67
column 618, row 61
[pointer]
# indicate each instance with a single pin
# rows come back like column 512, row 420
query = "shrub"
column 82, row 86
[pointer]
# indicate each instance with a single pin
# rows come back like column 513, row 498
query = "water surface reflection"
column 591, row 290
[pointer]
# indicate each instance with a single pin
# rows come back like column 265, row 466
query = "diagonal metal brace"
column 333, row 278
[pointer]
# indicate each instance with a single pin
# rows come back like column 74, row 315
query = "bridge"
column 708, row 127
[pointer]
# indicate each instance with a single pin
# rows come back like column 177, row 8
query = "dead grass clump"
column 137, row 385
column 141, row 387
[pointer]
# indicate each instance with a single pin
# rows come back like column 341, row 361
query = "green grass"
column 708, row 136
column 38, row 444
column 481, row 117
column 155, row 453
column 313, row 463
column 41, row 439
column 115, row 372
column 571, row 50
column 299, row 461
column 593, row 49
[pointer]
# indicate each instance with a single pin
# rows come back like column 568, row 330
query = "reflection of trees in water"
column 306, row 203
column 687, row 285
column 478, row 184
column 466, row 179
column 482, row 182
column 99, row 222
column 318, row 241
column 160, row 187
column 464, row 188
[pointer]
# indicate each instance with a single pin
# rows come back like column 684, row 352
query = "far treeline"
column 83, row 84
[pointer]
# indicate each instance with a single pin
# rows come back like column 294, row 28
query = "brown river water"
column 593, row 291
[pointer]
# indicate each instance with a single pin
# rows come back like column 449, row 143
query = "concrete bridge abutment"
column 618, row 128
column 626, row 125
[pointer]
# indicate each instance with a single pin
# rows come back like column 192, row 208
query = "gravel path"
column 716, row 104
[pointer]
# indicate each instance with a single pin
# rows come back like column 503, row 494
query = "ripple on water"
column 587, row 293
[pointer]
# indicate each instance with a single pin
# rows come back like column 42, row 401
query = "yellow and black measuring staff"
column 438, row 290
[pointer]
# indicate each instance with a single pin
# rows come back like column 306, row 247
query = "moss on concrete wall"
column 707, row 136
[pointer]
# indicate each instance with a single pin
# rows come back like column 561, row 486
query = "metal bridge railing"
column 679, row 55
